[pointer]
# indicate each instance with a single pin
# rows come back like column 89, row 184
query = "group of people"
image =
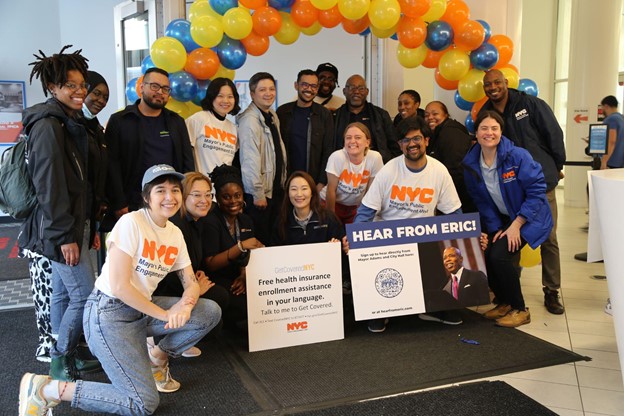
column 190, row 199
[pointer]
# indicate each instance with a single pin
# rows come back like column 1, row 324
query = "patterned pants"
column 40, row 270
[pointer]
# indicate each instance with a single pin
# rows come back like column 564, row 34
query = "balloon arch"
column 436, row 34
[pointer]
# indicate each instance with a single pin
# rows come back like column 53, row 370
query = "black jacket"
column 57, row 163
column 449, row 143
column 125, row 141
column 315, row 231
column 320, row 137
column 382, row 130
column 531, row 124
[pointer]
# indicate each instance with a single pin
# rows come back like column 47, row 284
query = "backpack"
column 17, row 192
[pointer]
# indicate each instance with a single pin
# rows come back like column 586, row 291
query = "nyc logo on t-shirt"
column 409, row 194
column 215, row 133
column 165, row 254
column 355, row 179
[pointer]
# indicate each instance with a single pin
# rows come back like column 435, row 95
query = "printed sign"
column 411, row 266
column 294, row 295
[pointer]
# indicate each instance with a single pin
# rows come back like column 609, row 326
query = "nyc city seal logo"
column 389, row 283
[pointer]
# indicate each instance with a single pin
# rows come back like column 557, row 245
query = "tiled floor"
column 579, row 389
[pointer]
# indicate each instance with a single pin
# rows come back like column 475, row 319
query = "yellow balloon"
column 207, row 31
column 530, row 257
column 384, row 14
column 323, row 4
column 353, row 9
column 312, row 30
column 454, row 64
column 436, row 10
column 201, row 8
column 237, row 23
column 513, row 79
column 411, row 58
column 224, row 72
column 192, row 108
column 168, row 53
column 288, row 32
column 177, row 107
column 383, row 33
column 470, row 87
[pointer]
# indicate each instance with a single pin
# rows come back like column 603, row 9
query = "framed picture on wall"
column 12, row 103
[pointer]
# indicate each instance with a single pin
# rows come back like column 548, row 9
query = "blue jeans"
column 116, row 334
column 71, row 286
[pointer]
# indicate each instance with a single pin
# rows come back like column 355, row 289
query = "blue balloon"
column 528, row 86
column 180, row 29
column 147, row 63
column 487, row 28
column 202, row 88
column 469, row 123
column 395, row 37
column 183, row 86
column 281, row 4
column 131, row 92
column 365, row 32
column 222, row 6
column 484, row 57
column 461, row 103
column 232, row 53
column 439, row 35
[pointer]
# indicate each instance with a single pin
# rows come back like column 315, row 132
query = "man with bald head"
column 378, row 121
column 531, row 124
column 467, row 287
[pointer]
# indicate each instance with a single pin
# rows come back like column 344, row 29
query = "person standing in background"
column 615, row 147
column 328, row 81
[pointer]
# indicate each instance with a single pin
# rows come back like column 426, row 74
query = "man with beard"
column 328, row 81
column 387, row 198
column 307, row 130
column 142, row 135
column 530, row 123
column 375, row 118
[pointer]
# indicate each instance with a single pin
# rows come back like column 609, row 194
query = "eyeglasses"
column 157, row 87
column 407, row 140
column 197, row 196
column 354, row 88
column 75, row 87
column 306, row 85
column 331, row 80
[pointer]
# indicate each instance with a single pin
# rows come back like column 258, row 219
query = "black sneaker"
column 443, row 317
column 377, row 325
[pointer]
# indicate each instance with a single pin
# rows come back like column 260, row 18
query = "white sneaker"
column 192, row 352
column 164, row 382
column 607, row 308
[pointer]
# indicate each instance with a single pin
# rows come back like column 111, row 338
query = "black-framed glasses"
column 75, row 87
column 407, row 140
column 306, row 85
column 354, row 88
column 154, row 86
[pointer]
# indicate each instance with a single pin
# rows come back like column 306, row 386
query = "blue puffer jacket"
column 522, row 186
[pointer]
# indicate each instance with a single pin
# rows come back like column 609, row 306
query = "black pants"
column 503, row 277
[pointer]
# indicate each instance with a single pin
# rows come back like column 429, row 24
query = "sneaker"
column 31, row 400
column 498, row 312
column 551, row 301
column 607, row 308
column 377, row 325
column 164, row 382
column 515, row 318
column 443, row 317
column 192, row 352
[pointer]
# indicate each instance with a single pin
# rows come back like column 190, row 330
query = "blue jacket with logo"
column 522, row 186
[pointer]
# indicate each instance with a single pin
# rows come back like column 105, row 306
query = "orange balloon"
column 414, row 8
column 266, row 21
column 253, row 4
column 445, row 83
column 432, row 59
column 504, row 45
column 255, row 44
column 355, row 26
column 456, row 13
column 330, row 18
column 411, row 31
column 476, row 107
column 303, row 13
column 470, row 35
column 202, row 63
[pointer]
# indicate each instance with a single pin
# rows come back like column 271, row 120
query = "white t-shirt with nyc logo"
column 214, row 141
column 352, row 179
column 398, row 193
